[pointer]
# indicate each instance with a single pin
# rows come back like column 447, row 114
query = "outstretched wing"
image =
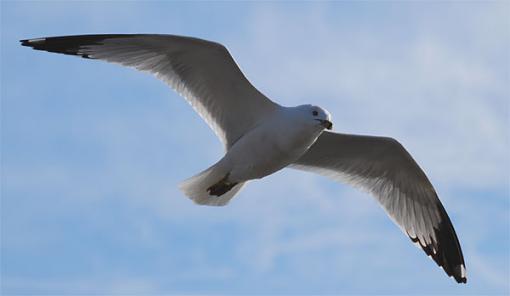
column 384, row 168
column 202, row 71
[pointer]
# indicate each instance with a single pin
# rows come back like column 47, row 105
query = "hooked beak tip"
column 327, row 124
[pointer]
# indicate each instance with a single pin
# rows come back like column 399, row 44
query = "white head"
column 315, row 115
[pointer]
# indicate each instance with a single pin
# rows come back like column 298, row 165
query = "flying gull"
column 262, row 137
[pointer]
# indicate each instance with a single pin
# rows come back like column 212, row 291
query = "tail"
column 196, row 187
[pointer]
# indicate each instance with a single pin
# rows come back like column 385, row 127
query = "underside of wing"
column 384, row 168
column 202, row 71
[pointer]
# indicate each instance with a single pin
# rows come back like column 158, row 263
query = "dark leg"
column 223, row 186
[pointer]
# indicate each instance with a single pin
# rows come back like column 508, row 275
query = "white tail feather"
column 196, row 187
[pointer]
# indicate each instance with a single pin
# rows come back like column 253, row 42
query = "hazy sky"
column 92, row 152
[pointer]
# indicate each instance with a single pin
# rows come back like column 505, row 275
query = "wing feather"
column 384, row 168
column 202, row 71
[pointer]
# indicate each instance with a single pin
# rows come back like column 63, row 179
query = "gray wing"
column 202, row 71
column 384, row 168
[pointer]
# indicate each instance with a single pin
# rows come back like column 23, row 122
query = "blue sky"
column 92, row 152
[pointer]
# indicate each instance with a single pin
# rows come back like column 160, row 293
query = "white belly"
column 266, row 150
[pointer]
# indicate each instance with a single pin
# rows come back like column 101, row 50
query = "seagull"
column 261, row 137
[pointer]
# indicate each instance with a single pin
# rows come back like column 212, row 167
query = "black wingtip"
column 70, row 45
column 66, row 45
column 459, row 273
column 30, row 42
column 450, row 254
column 445, row 250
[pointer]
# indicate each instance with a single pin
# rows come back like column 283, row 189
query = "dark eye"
column 315, row 113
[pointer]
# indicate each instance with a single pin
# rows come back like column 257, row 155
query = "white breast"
column 268, row 148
